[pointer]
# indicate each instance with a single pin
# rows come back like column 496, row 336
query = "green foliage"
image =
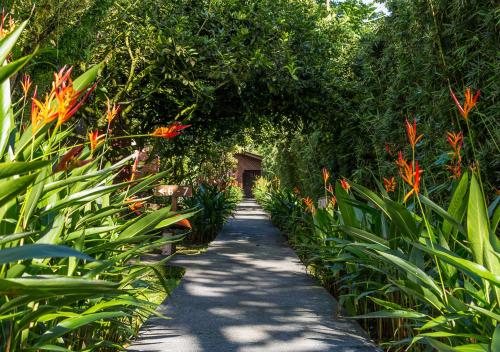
column 215, row 206
column 71, row 275
column 425, row 288
column 403, row 66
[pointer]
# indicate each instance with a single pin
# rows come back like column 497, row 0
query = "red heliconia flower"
column 410, row 176
column 95, row 139
column 69, row 161
column 411, row 132
column 112, row 111
column 470, row 102
column 402, row 164
column 26, row 85
column 170, row 131
column 388, row 149
column 326, row 175
column 345, row 185
column 390, row 184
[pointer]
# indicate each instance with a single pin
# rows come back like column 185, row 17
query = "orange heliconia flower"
column 95, row 139
column 470, row 102
column 170, row 131
column 410, row 175
column 326, row 175
column 4, row 30
column 333, row 201
column 68, row 99
column 112, row 111
column 61, row 103
column 26, row 85
column 456, row 141
column 345, row 185
column 184, row 223
column 42, row 113
column 136, row 206
column 411, row 132
column 390, row 184
column 309, row 204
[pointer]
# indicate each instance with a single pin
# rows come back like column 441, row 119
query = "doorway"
column 249, row 177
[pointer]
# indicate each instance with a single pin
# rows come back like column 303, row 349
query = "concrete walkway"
column 249, row 293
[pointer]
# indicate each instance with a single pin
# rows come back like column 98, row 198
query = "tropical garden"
column 377, row 120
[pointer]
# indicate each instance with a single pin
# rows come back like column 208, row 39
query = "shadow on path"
column 249, row 293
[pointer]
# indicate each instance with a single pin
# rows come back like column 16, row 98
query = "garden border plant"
column 72, row 233
column 417, row 274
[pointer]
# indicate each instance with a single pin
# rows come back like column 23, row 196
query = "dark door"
column 249, row 177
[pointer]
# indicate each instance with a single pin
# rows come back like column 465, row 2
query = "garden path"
column 249, row 293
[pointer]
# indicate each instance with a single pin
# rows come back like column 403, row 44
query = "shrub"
column 214, row 208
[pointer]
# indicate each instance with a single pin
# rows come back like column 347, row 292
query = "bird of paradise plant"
column 71, row 277
column 420, row 276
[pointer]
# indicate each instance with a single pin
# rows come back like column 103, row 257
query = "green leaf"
column 458, row 204
column 391, row 314
column 31, row 251
column 174, row 219
column 15, row 237
column 50, row 284
column 89, row 231
column 34, row 196
column 495, row 340
column 145, row 224
column 477, row 222
column 372, row 197
column 87, row 77
column 71, row 180
column 70, row 324
column 10, row 69
column 7, row 43
column 402, row 218
column 6, row 114
column 364, row 235
column 346, row 209
column 450, row 220
column 9, row 169
column 464, row 264
column 412, row 271
column 83, row 197
column 10, row 188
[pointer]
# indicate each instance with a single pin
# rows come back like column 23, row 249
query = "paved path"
column 249, row 293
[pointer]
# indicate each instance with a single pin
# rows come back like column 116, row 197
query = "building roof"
column 249, row 155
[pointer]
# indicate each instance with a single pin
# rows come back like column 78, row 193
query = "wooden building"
column 248, row 169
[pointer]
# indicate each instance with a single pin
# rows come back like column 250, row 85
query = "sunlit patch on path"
column 249, row 293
